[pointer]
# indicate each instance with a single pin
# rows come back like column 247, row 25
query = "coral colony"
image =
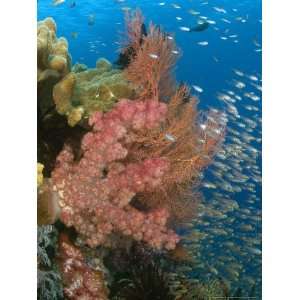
column 95, row 193
column 120, row 150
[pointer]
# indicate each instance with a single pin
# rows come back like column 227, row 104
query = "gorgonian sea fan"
column 152, row 57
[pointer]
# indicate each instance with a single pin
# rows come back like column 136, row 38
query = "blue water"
column 210, row 67
column 197, row 65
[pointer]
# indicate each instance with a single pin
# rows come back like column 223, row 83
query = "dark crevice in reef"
column 53, row 132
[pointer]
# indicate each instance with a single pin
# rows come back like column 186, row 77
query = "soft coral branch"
column 95, row 192
column 80, row 281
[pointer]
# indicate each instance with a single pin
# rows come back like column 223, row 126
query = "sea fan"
column 149, row 58
column 189, row 142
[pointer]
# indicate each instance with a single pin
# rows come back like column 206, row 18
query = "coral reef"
column 95, row 193
column 120, row 153
column 80, row 281
column 83, row 92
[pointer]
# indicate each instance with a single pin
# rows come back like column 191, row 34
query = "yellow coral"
column 52, row 52
column 79, row 94
column 75, row 116
column 62, row 93
column 40, row 177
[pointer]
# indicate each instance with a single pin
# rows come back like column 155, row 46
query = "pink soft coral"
column 95, row 193
column 80, row 281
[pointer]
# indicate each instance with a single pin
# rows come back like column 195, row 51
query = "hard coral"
column 82, row 93
column 95, row 193
column 80, row 281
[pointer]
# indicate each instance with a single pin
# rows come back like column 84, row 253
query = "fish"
column 74, row 34
column 178, row 18
column 211, row 22
column 252, row 77
column 256, row 43
column 204, row 43
column 176, row 6
column 209, row 185
column 193, row 12
column 215, row 59
column 57, row 2
column 203, row 126
column 219, row 9
column 184, row 28
column 238, row 72
column 239, row 84
column 126, row 8
column 170, row 137
column 224, row 97
column 197, row 88
column 175, row 52
column 154, row 56
column 91, row 20
column 200, row 27
column 258, row 87
column 226, row 21
column 162, row 3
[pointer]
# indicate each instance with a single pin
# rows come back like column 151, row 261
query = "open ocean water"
column 222, row 64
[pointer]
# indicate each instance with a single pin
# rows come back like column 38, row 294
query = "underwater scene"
column 149, row 149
